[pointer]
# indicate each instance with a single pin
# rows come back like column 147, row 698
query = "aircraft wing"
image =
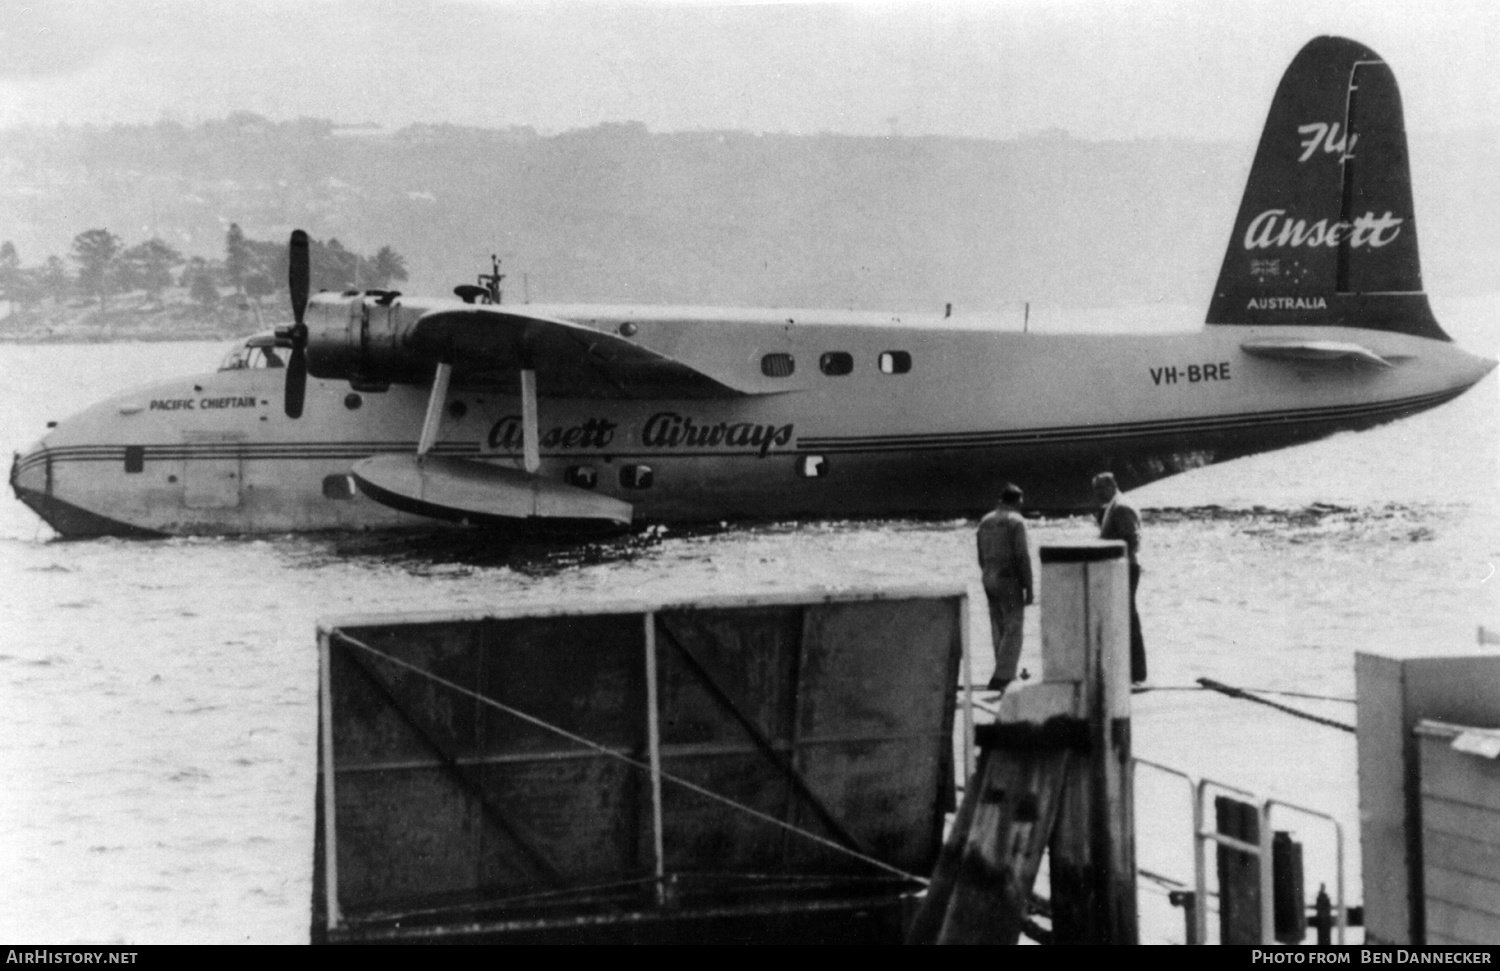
column 488, row 346
column 1314, row 352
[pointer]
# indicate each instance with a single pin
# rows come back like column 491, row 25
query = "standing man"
column 1005, row 565
column 1118, row 519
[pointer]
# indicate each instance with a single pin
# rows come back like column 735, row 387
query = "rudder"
column 1326, row 234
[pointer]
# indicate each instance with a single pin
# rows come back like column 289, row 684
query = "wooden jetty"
column 728, row 771
column 782, row 768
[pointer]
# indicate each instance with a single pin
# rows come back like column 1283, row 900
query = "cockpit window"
column 237, row 359
column 254, row 353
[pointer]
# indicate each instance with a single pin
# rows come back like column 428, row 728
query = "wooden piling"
column 1086, row 633
column 982, row 884
column 1054, row 771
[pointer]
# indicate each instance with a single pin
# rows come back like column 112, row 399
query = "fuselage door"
column 212, row 469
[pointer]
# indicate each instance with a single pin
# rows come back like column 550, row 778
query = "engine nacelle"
column 360, row 337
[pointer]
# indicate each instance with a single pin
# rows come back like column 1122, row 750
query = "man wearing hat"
column 1005, row 566
column 1118, row 519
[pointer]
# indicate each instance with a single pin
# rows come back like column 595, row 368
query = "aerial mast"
column 491, row 280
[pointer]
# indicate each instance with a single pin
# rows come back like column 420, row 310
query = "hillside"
column 618, row 213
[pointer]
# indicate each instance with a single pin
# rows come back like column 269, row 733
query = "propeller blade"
column 298, row 282
column 298, row 275
column 296, row 382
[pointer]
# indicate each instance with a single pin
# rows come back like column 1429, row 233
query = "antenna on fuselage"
column 1026, row 318
column 491, row 280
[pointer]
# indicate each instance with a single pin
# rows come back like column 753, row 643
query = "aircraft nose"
column 28, row 473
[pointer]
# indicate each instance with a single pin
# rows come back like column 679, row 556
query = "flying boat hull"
column 976, row 407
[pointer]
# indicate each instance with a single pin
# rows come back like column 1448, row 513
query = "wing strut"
column 434, row 418
column 530, row 437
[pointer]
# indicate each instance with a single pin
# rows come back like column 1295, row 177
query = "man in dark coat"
column 1118, row 519
column 1005, row 566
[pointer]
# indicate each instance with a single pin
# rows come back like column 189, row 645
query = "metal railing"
column 1198, row 788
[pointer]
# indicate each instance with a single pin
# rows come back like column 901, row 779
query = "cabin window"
column 812, row 466
column 777, row 365
column 457, row 410
column 352, row 401
column 894, row 362
column 135, row 458
column 339, row 486
column 836, row 363
column 635, row 476
column 582, row 476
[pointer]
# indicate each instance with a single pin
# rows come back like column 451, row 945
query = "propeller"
column 298, row 274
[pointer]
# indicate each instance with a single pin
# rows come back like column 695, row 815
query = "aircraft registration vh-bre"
column 471, row 411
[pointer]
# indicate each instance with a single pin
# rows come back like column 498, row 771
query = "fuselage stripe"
column 1067, row 434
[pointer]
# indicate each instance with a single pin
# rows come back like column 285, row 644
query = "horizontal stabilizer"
column 463, row 490
column 1314, row 351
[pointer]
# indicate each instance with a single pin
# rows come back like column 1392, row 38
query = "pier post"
column 1054, row 771
column 1086, row 639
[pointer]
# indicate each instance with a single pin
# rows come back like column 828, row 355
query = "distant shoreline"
column 143, row 336
column 129, row 320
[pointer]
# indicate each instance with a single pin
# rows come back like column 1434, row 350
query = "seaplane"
column 391, row 411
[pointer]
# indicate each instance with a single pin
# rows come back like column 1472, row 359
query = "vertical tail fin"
column 1326, row 234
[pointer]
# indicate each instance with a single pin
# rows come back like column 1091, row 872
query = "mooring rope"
column 1142, row 689
column 1145, row 688
column 1233, row 692
column 636, row 763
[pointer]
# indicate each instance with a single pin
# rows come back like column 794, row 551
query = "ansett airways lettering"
column 594, row 433
column 1273, row 228
column 667, row 429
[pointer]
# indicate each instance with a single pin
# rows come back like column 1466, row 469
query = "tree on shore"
column 203, row 290
column 333, row 266
column 53, row 281
column 199, row 279
column 10, row 273
column 237, row 258
column 95, row 252
column 149, row 266
column 388, row 267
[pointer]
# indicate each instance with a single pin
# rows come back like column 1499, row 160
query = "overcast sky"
column 1096, row 68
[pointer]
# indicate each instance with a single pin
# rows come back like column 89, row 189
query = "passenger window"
column 777, row 365
column 135, row 458
column 895, row 362
column 836, row 363
column 635, row 476
column 339, row 486
column 582, row 476
column 812, row 466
